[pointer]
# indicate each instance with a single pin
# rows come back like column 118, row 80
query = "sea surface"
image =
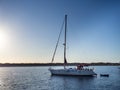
column 39, row 78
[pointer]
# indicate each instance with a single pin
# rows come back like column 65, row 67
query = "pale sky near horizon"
column 29, row 30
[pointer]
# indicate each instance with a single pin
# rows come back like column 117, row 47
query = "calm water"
column 39, row 78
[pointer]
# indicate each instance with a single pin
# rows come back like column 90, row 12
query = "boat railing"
column 89, row 69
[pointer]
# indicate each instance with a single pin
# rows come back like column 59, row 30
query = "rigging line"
column 57, row 41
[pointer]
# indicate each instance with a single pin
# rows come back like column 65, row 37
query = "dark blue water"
column 39, row 78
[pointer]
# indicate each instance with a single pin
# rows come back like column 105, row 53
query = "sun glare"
column 3, row 39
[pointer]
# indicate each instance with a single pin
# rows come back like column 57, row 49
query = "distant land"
column 55, row 64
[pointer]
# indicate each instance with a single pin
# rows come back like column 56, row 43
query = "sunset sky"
column 29, row 30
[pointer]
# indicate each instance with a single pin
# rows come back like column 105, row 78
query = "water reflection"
column 39, row 78
column 71, row 82
column 23, row 78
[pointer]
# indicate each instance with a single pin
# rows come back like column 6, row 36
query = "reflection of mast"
column 65, row 61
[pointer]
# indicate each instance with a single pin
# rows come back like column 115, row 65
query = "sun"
column 3, row 39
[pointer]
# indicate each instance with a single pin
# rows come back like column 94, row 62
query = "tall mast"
column 65, row 61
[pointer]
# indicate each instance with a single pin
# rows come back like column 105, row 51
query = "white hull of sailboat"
column 73, row 72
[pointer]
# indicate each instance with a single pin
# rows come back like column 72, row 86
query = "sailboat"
column 78, row 71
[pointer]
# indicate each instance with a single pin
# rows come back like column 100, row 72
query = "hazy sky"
column 29, row 30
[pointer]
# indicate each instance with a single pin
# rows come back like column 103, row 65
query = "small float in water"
column 104, row 75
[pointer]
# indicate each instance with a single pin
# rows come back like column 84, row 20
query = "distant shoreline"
column 55, row 64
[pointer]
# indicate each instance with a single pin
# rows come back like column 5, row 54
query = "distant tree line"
column 54, row 64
